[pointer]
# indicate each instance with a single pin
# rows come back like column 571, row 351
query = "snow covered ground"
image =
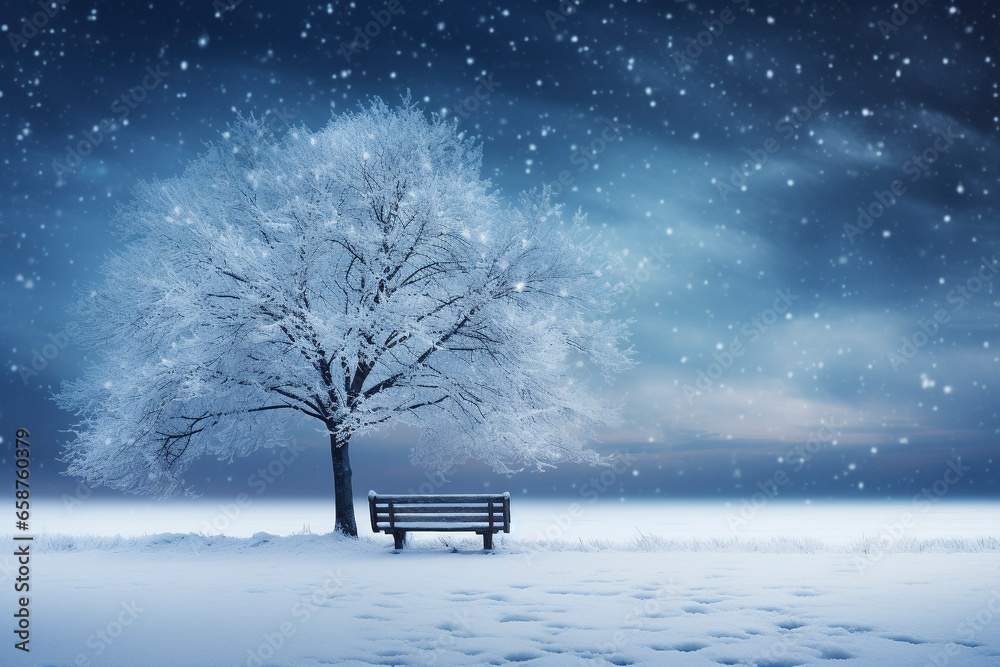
column 574, row 584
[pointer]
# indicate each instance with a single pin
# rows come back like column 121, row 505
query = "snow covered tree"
column 361, row 275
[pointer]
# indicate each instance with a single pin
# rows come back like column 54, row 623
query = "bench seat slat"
column 401, row 519
column 438, row 527
column 413, row 516
column 434, row 509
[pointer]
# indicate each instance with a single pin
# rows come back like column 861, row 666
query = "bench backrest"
column 480, row 511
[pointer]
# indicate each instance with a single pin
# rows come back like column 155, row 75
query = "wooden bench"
column 480, row 513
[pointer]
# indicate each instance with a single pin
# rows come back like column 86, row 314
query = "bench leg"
column 488, row 540
column 399, row 537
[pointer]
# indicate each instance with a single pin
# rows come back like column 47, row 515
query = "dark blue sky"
column 727, row 146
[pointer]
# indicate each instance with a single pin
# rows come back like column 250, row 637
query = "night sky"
column 804, row 194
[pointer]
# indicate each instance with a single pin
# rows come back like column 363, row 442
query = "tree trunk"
column 342, row 488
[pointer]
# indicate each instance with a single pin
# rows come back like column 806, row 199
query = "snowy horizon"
column 617, row 520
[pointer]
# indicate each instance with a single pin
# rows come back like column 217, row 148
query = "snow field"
column 310, row 600
column 610, row 582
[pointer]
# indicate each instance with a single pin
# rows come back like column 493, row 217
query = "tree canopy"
column 362, row 275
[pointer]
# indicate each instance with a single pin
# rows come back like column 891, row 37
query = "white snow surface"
column 797, row 585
